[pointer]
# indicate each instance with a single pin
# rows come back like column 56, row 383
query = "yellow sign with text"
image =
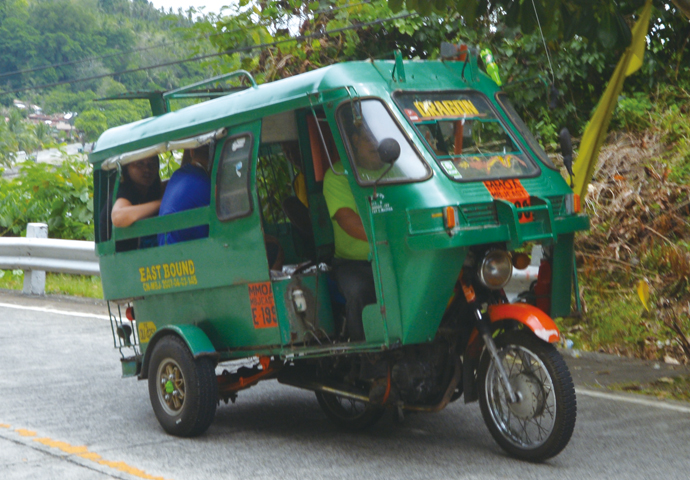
column 146, row 331
column 446, row 108
column 168, row 275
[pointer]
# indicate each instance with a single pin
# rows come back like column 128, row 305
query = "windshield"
column 465, row 135
column 524, row 131
column 362, row 138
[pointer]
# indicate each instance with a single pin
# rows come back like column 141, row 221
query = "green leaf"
column 412, row 5
column 395, row 5
column 607, row 30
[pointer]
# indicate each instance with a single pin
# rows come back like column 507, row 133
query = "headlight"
column 496, row 269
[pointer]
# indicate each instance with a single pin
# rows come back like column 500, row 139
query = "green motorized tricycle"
column 448, row 187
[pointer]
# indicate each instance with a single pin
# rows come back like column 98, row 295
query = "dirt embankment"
column 640, row 231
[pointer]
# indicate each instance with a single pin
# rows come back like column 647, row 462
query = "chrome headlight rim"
column 486, row 278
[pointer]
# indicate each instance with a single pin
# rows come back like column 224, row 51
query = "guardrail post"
column 35, row 280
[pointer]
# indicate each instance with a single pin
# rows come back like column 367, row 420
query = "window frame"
column 405, row 134
column 546, row 161
column 497, row 114
column 219, row 176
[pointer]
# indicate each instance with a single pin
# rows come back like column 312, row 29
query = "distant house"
column 60, row 122
column 21, row 105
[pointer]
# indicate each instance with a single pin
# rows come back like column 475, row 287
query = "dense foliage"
column 60, row 196
column 63, row 54
column 280, row 39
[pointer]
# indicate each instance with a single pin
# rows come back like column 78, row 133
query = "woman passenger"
column 139, row 196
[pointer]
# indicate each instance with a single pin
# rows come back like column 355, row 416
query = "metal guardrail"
column 39, row 255
column 49, row 255
column 36, row 254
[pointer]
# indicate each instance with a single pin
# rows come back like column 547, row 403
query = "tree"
column 604, row 22
column 92, row 123
column 43, row 135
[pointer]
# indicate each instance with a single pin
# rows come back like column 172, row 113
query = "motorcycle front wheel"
column 540, row 424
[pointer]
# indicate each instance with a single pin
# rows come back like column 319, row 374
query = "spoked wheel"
column 183, row 391
column 541, row 423
column 347, row 413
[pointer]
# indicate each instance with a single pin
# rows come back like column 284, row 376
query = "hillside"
column 58, row 56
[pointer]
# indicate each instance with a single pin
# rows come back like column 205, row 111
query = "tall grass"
column 57, row 283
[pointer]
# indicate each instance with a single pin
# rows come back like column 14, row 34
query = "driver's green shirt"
column 336, row 190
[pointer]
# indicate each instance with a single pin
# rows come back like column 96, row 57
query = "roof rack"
column 160, row 100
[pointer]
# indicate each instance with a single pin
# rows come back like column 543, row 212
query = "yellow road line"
column 82, row 451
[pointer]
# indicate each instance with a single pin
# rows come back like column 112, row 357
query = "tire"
column 183, row 390
column 347, row 414
column 540, row 425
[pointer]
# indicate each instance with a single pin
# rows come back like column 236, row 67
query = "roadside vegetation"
column 639, row 206
column 666, row 388
column 56, row 283
column 639, row 200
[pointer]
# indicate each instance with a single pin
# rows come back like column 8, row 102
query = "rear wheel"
column 347, row 413
column 540, row 424
column 183, row 390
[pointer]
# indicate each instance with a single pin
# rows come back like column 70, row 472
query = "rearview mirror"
column 566, row 149
column 389, row 150
column 567, row 152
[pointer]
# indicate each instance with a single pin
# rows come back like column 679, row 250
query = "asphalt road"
column 65, row 413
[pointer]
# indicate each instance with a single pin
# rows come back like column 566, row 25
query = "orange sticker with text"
column 511, row 191
column 263, row 305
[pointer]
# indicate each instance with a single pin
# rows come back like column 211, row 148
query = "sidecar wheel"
column 349, row 414
column 540, row 425
column 183, row 390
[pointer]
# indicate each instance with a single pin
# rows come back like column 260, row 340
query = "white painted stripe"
column 52, row 310
column 639, row 401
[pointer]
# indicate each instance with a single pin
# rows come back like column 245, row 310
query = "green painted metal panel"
column 374, row 325
column 562, row 276
column 130, row 367
column 197, row 341
column 222, row 314
column 317, row 321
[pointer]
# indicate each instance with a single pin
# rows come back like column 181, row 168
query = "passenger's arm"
column 350, row 221
column 124, row 213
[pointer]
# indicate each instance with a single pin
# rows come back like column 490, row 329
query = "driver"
column 351, row 266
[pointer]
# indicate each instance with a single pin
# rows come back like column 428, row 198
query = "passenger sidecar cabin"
column 468, row 173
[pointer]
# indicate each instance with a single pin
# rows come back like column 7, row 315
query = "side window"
column 276, row 172
column 362, row 137
column 234, row 198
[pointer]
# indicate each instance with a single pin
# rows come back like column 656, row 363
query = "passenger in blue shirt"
column 188, row 188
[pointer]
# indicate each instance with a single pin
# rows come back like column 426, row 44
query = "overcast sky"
column 211, row 5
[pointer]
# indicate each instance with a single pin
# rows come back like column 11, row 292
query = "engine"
column 420, row 376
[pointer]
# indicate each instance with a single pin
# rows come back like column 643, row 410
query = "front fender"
column 533, row 318
column 197, row 341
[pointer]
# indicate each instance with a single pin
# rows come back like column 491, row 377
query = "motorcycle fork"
column 482, row 324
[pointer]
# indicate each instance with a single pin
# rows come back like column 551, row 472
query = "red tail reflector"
column 129, row 313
